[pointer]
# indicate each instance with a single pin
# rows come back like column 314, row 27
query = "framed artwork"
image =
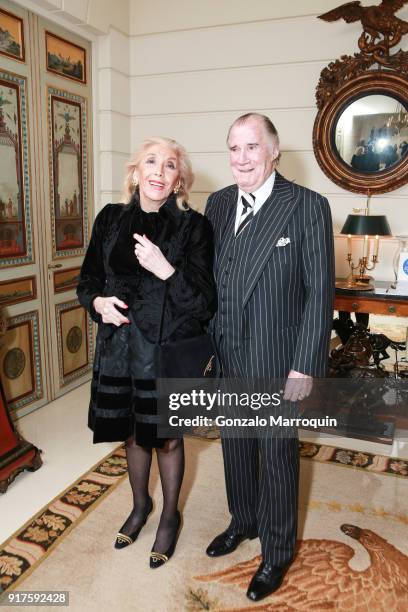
column 11, row 36
column 20, row 362
column 15, row 218
column 68, row 172
column 18, row 290
column 65, row 280
column 65, row 58
column 74, row 351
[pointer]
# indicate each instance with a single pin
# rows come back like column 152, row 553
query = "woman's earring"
column 134, row 181
column 177, row 188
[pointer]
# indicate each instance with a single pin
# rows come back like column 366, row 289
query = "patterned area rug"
column 352, row 549
column 25, row 549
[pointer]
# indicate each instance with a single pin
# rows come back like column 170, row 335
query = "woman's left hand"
column 151, row 258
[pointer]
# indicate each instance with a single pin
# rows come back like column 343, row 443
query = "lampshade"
column 370, row 225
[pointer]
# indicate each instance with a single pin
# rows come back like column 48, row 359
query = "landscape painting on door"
column 11, row 36
column 65, row 58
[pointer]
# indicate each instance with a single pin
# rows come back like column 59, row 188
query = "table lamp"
column 371, row 227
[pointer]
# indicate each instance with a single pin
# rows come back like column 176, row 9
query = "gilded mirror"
column 360, row 135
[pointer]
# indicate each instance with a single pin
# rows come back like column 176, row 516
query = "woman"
column 150, row 250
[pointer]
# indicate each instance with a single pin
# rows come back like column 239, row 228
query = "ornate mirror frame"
column 372, row 72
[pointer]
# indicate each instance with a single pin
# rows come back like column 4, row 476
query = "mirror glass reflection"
column 371, row 134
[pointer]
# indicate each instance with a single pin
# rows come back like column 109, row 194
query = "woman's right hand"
column 105, row 306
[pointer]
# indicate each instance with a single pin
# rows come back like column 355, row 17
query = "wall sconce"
column 371, row 227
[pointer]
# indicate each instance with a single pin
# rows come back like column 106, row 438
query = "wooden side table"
column 372, row 302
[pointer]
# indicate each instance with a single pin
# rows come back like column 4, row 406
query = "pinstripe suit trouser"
column 262, row 480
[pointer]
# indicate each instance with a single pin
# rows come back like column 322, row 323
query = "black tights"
column 171, row 468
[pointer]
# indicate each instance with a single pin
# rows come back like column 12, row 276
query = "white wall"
column 113, row 114
column 195, row 66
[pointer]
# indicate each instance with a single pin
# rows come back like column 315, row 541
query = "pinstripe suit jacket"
column 283, row 312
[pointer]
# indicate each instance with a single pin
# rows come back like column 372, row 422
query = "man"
column 274, row 268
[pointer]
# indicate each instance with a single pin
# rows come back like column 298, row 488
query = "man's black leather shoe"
column 227, row 542
column 266, row 580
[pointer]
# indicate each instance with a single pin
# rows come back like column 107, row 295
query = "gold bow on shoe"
column 121, row 538
column 156, row 556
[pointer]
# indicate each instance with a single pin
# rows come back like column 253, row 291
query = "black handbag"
column 187, row 358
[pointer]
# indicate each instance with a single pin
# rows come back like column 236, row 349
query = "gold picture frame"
column 12, row 36
column 64, row 58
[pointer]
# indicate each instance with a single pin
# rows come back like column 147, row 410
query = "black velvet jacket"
column 111, row 268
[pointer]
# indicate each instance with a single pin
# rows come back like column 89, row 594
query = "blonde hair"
column 186, row 176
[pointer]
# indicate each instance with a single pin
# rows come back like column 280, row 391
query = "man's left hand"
column 298, row 386
column 151, row 258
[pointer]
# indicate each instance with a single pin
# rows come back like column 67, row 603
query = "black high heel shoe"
column 157, row 559
column 123, row 540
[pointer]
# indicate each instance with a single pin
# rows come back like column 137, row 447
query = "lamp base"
column 356, row 283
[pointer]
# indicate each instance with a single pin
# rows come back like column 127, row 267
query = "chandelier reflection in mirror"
column 371, row 134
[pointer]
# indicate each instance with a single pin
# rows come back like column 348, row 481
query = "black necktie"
column 246, row 215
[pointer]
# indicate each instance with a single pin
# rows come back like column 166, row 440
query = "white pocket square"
column 283, row 242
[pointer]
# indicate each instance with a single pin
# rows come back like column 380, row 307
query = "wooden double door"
column 46, row 188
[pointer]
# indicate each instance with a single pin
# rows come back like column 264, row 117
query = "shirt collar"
column 261, row 194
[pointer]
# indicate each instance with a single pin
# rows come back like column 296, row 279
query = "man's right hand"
column 105, row 306
column 298, row 386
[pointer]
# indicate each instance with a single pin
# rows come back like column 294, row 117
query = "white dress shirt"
column 261, row 195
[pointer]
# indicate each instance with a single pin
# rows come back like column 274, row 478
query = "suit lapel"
column 270, row 221
column 228, row 208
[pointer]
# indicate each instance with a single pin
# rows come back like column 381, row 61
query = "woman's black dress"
column 123, row 390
